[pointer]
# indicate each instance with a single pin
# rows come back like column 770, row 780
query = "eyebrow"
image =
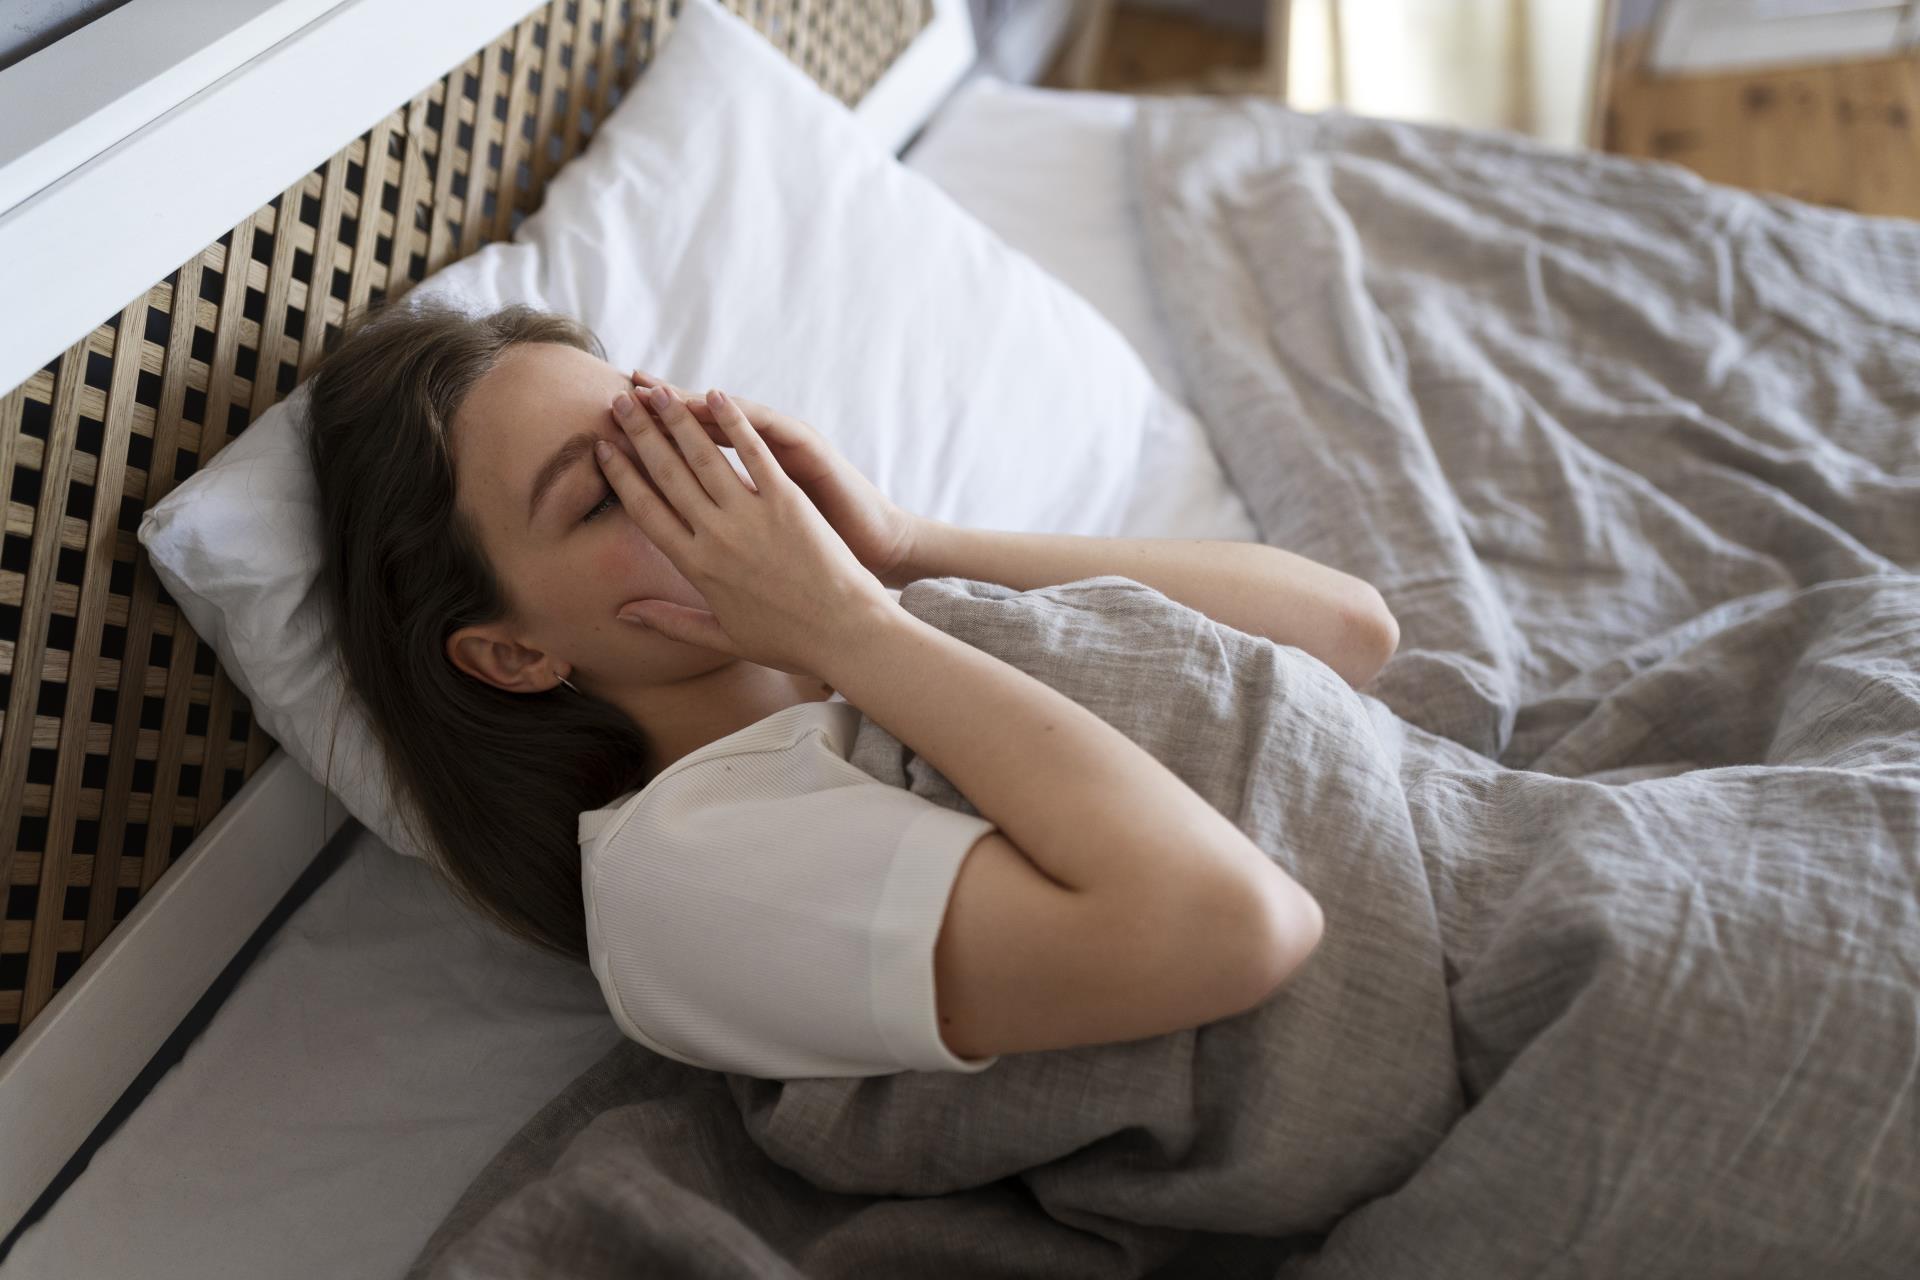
column 571, row 451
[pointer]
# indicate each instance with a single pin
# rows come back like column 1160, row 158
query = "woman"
column 485, row 568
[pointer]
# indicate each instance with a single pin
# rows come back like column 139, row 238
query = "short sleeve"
column 772, row 910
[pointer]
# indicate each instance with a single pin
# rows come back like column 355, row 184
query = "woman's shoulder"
column 805, row 726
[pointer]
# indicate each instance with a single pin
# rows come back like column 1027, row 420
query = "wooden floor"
column 1145, row 47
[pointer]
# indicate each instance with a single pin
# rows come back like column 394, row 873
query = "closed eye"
column 600, row 506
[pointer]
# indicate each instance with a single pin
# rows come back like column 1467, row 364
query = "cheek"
column 631, row 566
column 613, row 562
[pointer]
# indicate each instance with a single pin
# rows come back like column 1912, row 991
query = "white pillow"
column 731, row 224
column 1046, row 170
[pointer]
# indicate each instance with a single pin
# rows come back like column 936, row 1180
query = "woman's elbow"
column 1298, row 925
column 1373, row 635
column 1389, row 628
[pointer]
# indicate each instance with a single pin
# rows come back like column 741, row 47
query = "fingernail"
column 603, row 450
column 660, row 398
column 622, row 405
column 717, row 398
column 634, row 618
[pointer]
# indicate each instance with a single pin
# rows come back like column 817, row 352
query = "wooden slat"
column 216, row 743
column 273, row 326
column 133, row 691
column 513, row 142
column 373, row 186
column 553, row 81
column 78, row 711
column 166, row 774
column 604, row 64
column 223, row 383
column 45, row 736
column 24, row 693
column 13, row 408
column 573, row 119
column 478, row 168
column 56, row 663
column 320, row 280
column 409, row 236
column 260, row 745
column 441, row 209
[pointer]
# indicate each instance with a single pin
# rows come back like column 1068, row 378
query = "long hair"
column 498, row 779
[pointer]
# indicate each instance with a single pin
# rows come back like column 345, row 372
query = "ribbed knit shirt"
column 766, row 907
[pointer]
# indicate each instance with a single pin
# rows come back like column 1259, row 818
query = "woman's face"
column 569, row 554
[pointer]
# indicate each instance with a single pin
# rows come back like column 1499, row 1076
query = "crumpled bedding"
column 1619, row 856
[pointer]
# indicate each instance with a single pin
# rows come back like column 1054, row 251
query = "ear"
column 486, row 654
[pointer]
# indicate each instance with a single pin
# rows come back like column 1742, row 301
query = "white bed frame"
column 114, row 118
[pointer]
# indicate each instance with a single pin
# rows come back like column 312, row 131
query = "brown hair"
column 499, row 779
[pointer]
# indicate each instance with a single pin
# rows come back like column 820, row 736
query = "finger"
column 655, row 516
column 715, row 473
column 694, row 405
column 753, row 451
column 773, row 425
column 779, row 430
column 660, row 461
column 681, row 623
column 644, row 379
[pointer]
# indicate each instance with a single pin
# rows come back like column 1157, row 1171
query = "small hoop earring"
column 568, row 683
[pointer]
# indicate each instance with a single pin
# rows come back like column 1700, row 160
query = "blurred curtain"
column 1525, row 65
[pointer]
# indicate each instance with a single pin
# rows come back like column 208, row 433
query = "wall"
column 27, row 26
column 1019, row 39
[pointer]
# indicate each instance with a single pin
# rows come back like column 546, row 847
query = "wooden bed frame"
column 149, row 823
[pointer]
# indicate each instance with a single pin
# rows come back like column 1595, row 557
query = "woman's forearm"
column 1252, row 587
column 1091, row 808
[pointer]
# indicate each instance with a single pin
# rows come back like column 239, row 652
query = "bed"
column 303, row 1111
column 1634, row 460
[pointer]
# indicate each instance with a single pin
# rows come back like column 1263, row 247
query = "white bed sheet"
column 384, row 1043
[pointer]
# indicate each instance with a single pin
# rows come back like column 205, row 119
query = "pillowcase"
column 730, row 224
column 1046, row 170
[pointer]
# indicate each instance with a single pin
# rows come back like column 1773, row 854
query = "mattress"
column 384, row 1043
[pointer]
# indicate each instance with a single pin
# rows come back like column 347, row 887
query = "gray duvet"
column 1619, row 856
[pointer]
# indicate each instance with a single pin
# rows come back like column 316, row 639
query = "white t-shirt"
column 766, row 907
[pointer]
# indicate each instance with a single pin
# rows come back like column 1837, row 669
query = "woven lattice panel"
column 121, row 736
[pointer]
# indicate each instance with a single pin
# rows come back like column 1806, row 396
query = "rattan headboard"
column 122, row 737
